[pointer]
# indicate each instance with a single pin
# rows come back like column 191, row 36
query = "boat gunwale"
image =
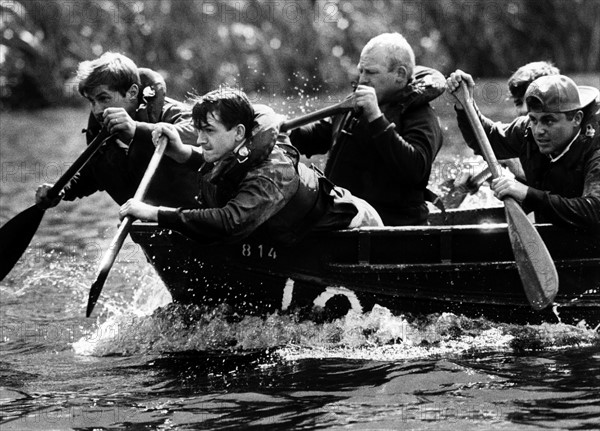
column 150, row 227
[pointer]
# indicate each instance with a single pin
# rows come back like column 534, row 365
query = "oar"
column 115, row 246
column 17, row 233
column 117, row 242
column 536, row 267
column 338, row 108
column 457, row 194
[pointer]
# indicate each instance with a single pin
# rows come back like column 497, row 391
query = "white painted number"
column 260, row 251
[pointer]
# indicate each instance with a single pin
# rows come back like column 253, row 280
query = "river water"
column 143, row 363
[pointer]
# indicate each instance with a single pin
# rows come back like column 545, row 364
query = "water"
column 143, row 363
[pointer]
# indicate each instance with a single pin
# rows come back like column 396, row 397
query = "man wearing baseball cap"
column 560, row 157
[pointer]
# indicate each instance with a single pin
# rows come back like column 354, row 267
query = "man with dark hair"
column 384, row 153
column 250, row 179
column 561, row 161
column 517, row 85
column 127, row 101
column 525, row 75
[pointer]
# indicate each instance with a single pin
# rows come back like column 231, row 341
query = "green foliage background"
column 280, row 46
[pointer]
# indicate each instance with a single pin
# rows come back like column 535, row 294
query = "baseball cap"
column 558, row 93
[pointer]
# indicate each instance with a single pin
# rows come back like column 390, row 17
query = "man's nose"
column 539, row 129
column 97, row 109
column 362, row 80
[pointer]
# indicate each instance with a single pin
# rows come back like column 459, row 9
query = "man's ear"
column 240, row 132
column 578, row 118
column 133, row 92
column 402, row 75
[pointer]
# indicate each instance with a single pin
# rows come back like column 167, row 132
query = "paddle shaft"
column 115, row 246
column 534, row 263
column 338, row 108
column 81, row 161
column 477, row 180
column 456, row 194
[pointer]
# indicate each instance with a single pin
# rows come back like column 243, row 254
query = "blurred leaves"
column 280, row 46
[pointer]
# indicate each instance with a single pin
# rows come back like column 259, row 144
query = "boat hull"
column 460, row 268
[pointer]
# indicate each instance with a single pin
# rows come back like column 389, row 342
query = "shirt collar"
column 554, row 159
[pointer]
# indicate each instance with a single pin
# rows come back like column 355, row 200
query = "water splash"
column 375, row 335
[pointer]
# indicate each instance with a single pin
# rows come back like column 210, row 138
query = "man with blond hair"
column 383, row 151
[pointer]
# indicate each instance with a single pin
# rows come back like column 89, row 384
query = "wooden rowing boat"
column 463, row 264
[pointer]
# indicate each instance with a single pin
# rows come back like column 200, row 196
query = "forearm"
column 315, row 138
column 173, row 114
column 182, row 120
column 81, row 185
column 252, row 206
column 579, row 212
column 407, row 156
column 505, row 139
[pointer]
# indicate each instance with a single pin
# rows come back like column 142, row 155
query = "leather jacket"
column 261, row 188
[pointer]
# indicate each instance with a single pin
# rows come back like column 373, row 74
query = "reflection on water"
column 143, row 363
column 222, row 390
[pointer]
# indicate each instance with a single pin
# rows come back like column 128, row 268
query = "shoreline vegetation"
column 276, row 46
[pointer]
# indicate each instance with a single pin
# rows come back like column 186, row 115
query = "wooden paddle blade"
column 117, row 242
column 95, row 291
column 536, row 268
column 454, row 196
column 16, row 235
column 535, row 265
column 107, row 262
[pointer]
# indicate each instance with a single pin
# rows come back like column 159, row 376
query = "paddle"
column 117, row 242
column 534, row 263
column 17, row 233
column 457, row 194
column 338, row 108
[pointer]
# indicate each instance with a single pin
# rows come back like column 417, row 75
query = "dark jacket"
column 269, row 192
column 118, row 167
column 566, row 191
column 386, row 162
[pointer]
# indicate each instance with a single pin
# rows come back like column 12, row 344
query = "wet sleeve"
column 181, row 117
column 407, row 157
column 426, row 85
column 506, row 139
column 81, row 185
column 579, row 212
column 256, row 201
column 173, row 113
column 314, row 138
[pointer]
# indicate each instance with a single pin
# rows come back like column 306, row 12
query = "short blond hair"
column 397, row 50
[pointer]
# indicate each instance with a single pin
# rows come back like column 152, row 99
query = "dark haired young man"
column 517, row 85
column 128, row 100
column 250, row 179
column 519, row 81
column 560, row 157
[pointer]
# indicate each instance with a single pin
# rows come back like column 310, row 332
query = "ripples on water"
column 146, row 363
